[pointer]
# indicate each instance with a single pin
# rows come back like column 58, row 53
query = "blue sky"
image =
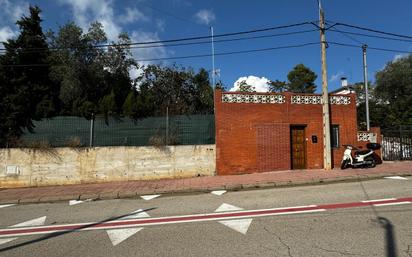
column 147, row 20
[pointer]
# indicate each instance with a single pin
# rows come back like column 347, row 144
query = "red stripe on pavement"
column 188, row 218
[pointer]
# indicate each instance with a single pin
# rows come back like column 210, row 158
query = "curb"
column 229, row 187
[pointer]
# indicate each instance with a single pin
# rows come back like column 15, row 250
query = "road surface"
column 372, row 218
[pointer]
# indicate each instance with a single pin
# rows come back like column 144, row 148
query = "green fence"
column 156, row 131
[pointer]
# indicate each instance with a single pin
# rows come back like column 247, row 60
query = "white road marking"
column 6, row 205
column 149, row 197
column 74, row 202
column 378, row 200
column 396, row 177
column 136, row 214
column 31, row 223
column 218, row 192
column 227, row 207
column 388, row 204
column 35, row 222
column 119, row 235
column 241, row 225
column 6, row 240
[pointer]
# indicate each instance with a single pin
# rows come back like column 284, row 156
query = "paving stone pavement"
column 127, row 189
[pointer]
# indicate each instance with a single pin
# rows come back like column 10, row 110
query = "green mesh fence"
column 156, row 131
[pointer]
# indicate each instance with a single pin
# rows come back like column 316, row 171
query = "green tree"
column 277, row 86
column 245, row 87
column 302, row 80
column 394, row 92
column 181, row 91
column 27, row 93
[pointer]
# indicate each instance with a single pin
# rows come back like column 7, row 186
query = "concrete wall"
column 62, row 166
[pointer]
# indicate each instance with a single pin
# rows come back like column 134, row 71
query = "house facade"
column 258, row 132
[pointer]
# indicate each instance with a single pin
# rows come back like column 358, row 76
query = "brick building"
column 257, row 132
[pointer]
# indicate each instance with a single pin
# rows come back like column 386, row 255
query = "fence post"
column 167, row 125
column 400, row 141
column 91, row 130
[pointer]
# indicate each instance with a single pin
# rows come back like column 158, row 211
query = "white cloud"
column 336, row 76
column 397, row 57
column 132, row 15
column 10, row 12
column 260, row 84
column 205, row 16
column 85, row 12
column 6, row 33
column 147, row 53
column 13, row 10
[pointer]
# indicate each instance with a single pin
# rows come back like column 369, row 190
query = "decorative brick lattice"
column 306, row 99
column 316, row 99
column 339, row 100
column 253, row 98
column 367, row 136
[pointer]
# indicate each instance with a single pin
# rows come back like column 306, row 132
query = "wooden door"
column 298, row 147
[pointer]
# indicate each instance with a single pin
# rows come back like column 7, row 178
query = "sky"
column 154, row 20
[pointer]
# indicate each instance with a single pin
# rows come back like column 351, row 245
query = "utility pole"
column 365, row 82
column 327, row 160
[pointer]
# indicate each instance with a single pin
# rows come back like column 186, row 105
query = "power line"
column 187, row 38
column 371, row 36
column 189, row 56
column 201, row 42
column 373, row 30
column 370, row 47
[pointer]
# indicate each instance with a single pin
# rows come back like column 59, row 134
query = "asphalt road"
column 348, row 231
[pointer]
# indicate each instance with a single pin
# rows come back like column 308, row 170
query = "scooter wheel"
column 344, row 164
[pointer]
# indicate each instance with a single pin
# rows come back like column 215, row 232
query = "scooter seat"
column 362, row 152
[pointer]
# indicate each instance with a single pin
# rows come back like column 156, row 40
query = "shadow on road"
column 52, row 235
column 390, row 242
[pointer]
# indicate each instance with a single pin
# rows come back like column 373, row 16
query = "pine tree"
column 26, row 91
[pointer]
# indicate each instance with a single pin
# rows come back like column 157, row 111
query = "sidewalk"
column 113, row 190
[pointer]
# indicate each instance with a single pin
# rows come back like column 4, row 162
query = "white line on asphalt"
column 378, row 200
column 396, row 177
column 218, row 192
column 387, row 204
column 6, row 205
column 149, row 197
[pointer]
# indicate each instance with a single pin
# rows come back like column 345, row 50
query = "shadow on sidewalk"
column 56, row 234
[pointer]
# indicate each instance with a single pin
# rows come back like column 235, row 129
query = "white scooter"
column 361, row 158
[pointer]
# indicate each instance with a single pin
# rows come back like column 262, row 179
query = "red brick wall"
column 255, row 137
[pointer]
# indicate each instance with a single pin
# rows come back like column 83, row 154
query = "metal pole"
column 327, row 160
column 365, row 82
column 167, row 125
column 91, row 131
column 213, row 58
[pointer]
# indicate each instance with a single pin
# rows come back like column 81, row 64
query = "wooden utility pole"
column 327, row 160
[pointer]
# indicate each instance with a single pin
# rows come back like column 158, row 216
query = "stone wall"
column 62, row 166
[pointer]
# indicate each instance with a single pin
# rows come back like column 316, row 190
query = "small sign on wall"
column 12, row 170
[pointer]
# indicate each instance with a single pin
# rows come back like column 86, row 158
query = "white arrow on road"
column 119, row 235
column 239, row 225
column 34, row 222
column 149, row 197
column 74, row 202
column 6, row 205
column 396, row 177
